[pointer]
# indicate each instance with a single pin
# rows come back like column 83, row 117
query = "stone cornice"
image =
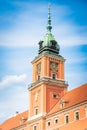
column 58, row 57
column 47, row 80
column 36, row 117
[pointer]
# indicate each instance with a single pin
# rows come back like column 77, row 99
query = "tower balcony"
column 48, row 80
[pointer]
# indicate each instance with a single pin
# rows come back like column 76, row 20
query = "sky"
column 22, row 25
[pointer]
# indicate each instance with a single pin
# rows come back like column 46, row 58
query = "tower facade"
column 48, row 83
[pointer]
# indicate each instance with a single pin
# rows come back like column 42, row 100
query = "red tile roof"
column 71, row 98
column 14, row 121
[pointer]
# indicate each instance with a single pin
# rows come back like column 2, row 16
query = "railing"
column 47, row 79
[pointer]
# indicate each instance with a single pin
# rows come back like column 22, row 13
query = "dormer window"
column 22, row 119
column 40, row 44
column 53, row 44
column 62, row 103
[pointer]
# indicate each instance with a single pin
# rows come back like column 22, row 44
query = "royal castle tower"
column 48, row 83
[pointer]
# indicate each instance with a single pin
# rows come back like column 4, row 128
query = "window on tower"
column 55, row 95
column 53, row 76
column 35, row 127
column 38, row 77
column 36, row 111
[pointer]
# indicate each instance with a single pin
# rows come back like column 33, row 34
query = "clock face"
column 54, row 66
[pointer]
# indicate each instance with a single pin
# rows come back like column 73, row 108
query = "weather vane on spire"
column 49, row 27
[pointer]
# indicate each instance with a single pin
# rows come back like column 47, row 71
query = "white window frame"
column 36, row 108
column 65, row 118
column 48, row 123
column 34, row 127
column 55, row 120
column 75, row 115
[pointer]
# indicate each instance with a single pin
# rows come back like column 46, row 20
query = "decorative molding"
column 48, row 80
column 36, row 116
column 57, row 57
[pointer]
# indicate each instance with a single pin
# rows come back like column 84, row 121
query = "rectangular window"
column 38, row 77
column 53, row 76
column 48, row 123
column 66, row 119
column 56, row 121
column 36, row 111
column 77, row 115
column 35, row 127
column 55, row 95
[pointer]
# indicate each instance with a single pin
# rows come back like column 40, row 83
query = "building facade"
column 51, row 106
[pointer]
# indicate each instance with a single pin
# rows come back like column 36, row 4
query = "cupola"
column 48, row 44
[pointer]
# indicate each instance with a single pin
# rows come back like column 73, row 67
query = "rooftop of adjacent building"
column 71, row 98
column 15, row 121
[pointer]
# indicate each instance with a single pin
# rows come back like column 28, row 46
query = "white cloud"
column 13, row 98
column 12, row 79
column 2, row 115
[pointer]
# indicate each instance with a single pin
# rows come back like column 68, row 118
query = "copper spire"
column 49, row 27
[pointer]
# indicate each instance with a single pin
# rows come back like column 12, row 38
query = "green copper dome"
column 49, row 44
column 47, row 38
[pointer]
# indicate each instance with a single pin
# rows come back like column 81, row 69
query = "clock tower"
column 48, row 83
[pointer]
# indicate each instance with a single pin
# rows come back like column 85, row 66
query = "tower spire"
column 49, row 27
column 49, row 45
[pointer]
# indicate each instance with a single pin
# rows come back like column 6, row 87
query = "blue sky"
column 22, row 25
